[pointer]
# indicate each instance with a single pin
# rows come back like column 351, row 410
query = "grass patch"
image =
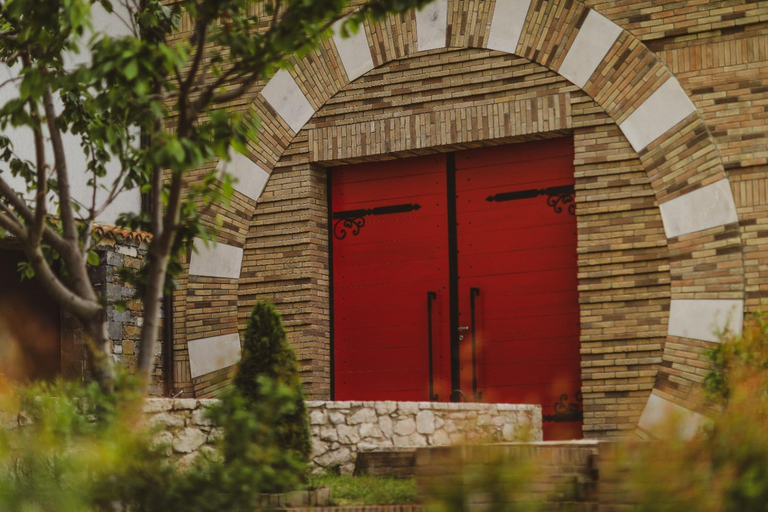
column 367, row 490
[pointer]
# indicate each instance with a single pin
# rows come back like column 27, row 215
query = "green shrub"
column 268, row 378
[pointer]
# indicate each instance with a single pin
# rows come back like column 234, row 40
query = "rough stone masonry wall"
column 117, row 249
column 342, row 429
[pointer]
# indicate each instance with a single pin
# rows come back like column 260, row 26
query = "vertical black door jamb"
column 332, row 366
column 453, row 278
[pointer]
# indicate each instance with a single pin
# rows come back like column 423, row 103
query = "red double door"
column 455, row 278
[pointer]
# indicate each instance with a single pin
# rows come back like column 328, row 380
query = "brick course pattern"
column 670, row 120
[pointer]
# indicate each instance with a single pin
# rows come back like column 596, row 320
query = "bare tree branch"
column 9, row 194
column 62, row 174
column 11, row 224
column 41, row 208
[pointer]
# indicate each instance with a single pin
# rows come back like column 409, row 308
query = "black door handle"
column 430, row 297
column 474, row 292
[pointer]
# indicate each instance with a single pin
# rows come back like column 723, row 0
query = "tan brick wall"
column 629, row 270
column 286, row 262
column 624, row 272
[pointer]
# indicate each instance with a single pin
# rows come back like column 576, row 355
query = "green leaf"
column 175, row 149
column 131, row 70
column 93, row 258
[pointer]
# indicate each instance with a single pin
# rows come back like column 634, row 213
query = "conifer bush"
column 268, row 364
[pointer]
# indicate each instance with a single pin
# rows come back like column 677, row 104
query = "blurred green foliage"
column 65, row 447
column 725, row 467
column 493, row 484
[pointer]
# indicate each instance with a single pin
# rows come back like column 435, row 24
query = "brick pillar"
column 286, row 261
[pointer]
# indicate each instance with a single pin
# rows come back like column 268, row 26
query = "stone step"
column 389, row 462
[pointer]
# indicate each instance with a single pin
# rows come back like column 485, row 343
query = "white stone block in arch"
column 354, row 51
column 251, row 177
column 208, row 355
column 432, row 25
column 595, row 38
column 507, row 24
column 662, row 418
column 704, row 208
column 663, row 109
column 703, row 319
column 216, row 260
column 284, row 95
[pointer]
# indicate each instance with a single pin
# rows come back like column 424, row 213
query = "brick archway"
column 610, row 65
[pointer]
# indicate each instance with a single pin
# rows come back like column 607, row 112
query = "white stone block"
column 425, row 422
column 364, row 415
column 318, row 448
column 662, row 419
column 167, row 419
column 370, row 430
column 251, row 178
column 704, row 208
column 385, row 424
column 210, row 354
column 507, row 24
column 405, row 427
column 432, row 25
column 595, row 38
column 285, row 96
column 441, row 439
column 188, row 440
column 408, row 408
column 663, row 109
column 702, row 319
column 354, row 51
column 333, row 458
column 216, row 260
column 328, row 433
column 385, row 408
column 318, row 417
column 348, row 435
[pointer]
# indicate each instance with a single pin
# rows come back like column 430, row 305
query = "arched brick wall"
column 610, row 65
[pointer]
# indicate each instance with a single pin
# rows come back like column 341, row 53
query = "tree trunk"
column 153, row 297
column 99, row 353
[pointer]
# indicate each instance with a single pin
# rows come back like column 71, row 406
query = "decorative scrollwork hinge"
column 351, row 221
column 565, row 410
column 557, row 197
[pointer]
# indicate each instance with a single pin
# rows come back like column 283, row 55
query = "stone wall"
column 118, row 250
column 342, row 429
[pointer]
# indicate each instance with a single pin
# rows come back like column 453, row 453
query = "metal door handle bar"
column 430, row 297
column 474, row 292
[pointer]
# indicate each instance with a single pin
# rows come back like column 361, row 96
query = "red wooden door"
column 418, row 242
column 390, row 270
column 517, row 263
